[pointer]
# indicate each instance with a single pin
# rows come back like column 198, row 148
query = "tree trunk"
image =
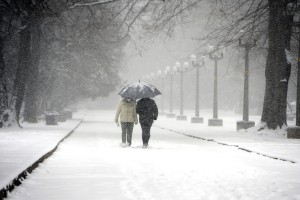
column 24, row 62
column 3, row 92
column 298, row 86
column 31, row 99
column 274, row 110
column 3, row 89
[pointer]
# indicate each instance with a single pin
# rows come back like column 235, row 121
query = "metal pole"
column 162, row 97
column 215, row 108
column 171, row 93
column 298, row 88
column 181, row 93
column 246, row 85
column 197, row 93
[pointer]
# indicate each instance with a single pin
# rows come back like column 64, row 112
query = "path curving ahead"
column 91, row 165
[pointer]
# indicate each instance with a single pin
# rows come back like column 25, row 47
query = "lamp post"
column 196, row 118
column 152, row 77
column 181, row 69
column 147, row 78
column 215, row 56
column 170, row 73
column 162, row 76
column 245, row 123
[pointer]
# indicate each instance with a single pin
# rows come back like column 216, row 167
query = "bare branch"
column 100, row 2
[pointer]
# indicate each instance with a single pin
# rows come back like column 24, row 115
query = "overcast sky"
column 144, row 56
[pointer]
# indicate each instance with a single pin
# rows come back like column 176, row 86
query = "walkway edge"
column 229, row 145
column 18, row 180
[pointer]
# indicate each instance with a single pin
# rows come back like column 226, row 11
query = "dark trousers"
column 146, row 133
column 127, row 128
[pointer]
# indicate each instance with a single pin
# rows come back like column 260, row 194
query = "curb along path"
column 229, row 145
column 19, row 178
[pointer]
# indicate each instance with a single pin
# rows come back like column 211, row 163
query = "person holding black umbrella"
column 146, row 107
column 147, row 110
column 127, row 113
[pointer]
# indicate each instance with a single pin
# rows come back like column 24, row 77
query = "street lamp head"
column 177, row 64
column 238, row 35
column 220, row 55
column 182, row 68
column 186, row 65
column 210, row 48
column 217, row 54
column 167, row 70
column 159, row 73
column 152, row 76
column 193, row 57
column 175, row 68
column 222, row 50
column 241, row 34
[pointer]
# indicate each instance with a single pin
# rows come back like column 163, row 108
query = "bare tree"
column 270, row 24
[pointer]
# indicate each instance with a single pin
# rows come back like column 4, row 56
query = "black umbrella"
column 139, row 90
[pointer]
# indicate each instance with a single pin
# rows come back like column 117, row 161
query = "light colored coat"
column 127, row 112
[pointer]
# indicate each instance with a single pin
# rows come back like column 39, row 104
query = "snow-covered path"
column 92, row 165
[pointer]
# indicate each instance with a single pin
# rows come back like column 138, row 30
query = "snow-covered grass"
column 268, row 142
column 92, row 165
column 20, row 148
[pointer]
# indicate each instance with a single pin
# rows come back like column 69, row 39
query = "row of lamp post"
column 170, row 72
column 214, row 55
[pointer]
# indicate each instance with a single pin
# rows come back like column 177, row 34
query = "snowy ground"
column 267, row 142
column 91, row 164
column 20, row 148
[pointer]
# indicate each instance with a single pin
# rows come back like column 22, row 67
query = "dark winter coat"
column 147, row 110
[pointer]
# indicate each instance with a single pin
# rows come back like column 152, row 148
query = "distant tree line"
column 52, row 55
